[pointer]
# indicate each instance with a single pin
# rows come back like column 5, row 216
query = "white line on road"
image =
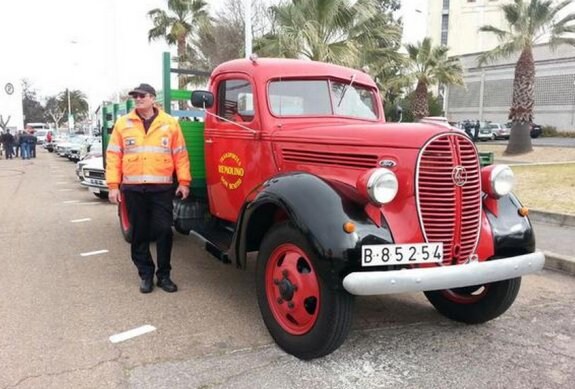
column 70, row 202
column 87, row 219
column 94, row 253
column 132, row 333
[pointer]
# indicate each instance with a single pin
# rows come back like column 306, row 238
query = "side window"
column 236, row 100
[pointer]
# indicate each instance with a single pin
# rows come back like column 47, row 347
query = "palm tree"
column 528, row 23
column 336, row 31
column 430, row 65
column 78, row 103
column 177, row 25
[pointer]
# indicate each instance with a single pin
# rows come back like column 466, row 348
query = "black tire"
column 331, row 310
column 125, row 225
column 475, row 304
column 102, row 195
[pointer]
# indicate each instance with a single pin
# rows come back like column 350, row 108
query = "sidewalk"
column 555, row 236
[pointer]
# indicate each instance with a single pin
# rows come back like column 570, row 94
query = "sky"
column 99, row 47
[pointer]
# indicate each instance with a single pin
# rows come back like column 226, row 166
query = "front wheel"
column 475, row 304
column 305, row 317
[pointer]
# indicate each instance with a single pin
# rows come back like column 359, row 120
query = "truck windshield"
column 321, row 97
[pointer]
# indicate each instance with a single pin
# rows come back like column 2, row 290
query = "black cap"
column 143, row 88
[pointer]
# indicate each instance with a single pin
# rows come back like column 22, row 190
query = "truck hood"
column 392, row 135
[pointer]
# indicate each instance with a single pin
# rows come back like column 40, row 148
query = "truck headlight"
column 497, row 180
column 379, row 184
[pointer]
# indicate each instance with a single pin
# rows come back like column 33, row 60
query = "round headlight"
column 382, row 186
column 502, row 180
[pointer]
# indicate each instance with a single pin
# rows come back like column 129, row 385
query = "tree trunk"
column 521, row 112
column 419, row 106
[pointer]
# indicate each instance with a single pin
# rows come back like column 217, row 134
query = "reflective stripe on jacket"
column 136, row 157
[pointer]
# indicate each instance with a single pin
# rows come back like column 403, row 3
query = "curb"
column 558, row 219
column 553, row 261
column 560, row 263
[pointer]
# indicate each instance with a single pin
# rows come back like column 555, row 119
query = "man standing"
column 476, row 131
column 145, row 148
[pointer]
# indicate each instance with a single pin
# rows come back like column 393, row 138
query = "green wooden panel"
column 194, row 136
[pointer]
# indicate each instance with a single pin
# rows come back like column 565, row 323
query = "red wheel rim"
column 292, row 289
column 124, row 221
column 469, row 295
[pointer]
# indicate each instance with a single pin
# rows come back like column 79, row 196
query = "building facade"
column 488, row 90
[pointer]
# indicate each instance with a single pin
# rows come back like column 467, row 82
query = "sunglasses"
column 139, row 95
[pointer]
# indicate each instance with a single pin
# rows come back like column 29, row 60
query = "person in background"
column 25, row 142
column 476, row 131
column 8, row 142
column 145, row 149
column 32, row 141
column 17, row 143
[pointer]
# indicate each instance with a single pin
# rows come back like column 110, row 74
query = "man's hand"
column 183, row 191
column 114, row 196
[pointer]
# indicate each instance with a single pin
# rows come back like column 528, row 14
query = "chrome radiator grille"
column 448, row 194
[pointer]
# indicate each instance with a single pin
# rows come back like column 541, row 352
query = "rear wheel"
column 475, row 304
column 305, row 317
column 125, row 224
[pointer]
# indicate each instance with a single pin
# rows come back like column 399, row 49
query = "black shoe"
column 146, row 285
column 168, row 285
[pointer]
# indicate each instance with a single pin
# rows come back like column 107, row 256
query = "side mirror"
column 202, row 99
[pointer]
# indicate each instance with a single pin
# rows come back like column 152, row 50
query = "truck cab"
column 300, row 166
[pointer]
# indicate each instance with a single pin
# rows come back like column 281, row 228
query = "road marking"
column 65, row 190
column 70, row 202
column 62, row 182
column 89, row 203
column 94, row 253
column 80, row 220
column 122, row 336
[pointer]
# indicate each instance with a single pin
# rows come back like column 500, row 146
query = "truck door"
column 232, row 146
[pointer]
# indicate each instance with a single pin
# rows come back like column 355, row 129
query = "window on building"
column 445, row 4
column 236, row 100
column 444, row 28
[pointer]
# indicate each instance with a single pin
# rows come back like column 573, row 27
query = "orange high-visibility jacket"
column 136, row 157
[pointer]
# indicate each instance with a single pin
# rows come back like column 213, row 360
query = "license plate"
column 94, row 190
column 401, row 254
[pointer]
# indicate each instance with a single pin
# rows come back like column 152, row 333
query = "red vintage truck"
column 295, row 161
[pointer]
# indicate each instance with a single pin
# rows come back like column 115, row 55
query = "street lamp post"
column 70, row 117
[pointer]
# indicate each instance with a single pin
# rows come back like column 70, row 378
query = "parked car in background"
column 485, row 132
column 535, row 130
column 499, row 130
column 94, row 177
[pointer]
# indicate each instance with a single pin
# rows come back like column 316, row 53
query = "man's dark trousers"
column 150, row 214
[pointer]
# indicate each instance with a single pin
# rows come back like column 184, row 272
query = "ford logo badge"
column 387, row 163
column 459, row 175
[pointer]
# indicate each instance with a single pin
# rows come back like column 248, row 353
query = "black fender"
column 318, row 209
column 512, row 233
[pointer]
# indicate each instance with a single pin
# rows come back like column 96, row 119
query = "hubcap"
column 292, row 289
column 467, row 295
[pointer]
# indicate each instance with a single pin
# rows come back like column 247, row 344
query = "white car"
column 95, row 177
column 500, row 131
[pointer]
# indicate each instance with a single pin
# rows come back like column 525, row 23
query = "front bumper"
column 442, row 277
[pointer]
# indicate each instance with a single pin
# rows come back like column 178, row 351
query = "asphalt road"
column 545, row 141
column 58, row 309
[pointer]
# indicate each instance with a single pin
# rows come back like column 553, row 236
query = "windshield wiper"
column 345, row 89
